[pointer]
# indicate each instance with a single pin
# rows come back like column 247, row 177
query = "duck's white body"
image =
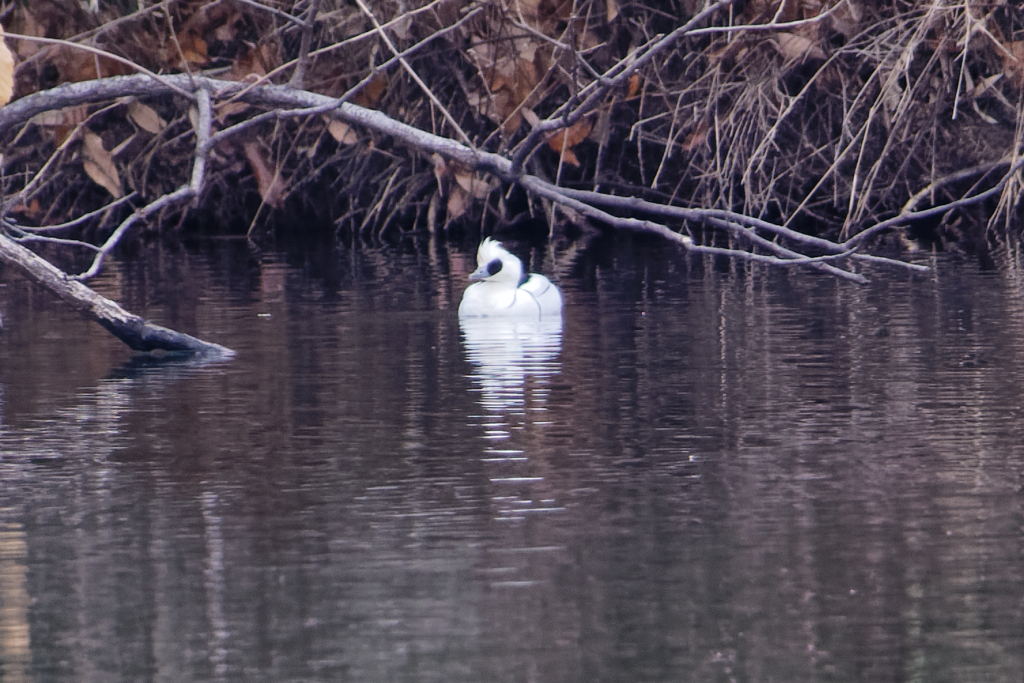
column 502, row 291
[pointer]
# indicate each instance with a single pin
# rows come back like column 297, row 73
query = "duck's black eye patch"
column 493, row 267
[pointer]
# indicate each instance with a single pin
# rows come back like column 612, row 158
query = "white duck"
column 503, row 290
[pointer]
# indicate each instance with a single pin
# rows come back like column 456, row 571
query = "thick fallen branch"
column 134, row 331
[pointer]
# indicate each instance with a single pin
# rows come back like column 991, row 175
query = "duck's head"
column 497, row 264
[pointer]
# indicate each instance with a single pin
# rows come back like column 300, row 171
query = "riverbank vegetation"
column 807, row 133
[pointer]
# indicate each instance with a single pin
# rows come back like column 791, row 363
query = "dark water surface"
column 705, row 476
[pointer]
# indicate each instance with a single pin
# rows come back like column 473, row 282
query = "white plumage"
column 502, row 290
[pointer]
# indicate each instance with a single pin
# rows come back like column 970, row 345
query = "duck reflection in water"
column 512, row 326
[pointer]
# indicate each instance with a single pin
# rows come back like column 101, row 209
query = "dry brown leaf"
column 99, row 165
column 570, row 158
column 228, row 31
column 492, row 107
column 342, row 132
column 60, row 123
column 193, row 47
column 696, row 137
column 257, row 61
column 247, row 65
column 403, row 27
column 578, row 132
column 479, row 102
column 590, row 40
column 847, row 18
column 755, row 10
column 458, row 202
column 505, row 111
column 733, row 52
column 530, row 9
column 811, row 8
column 100, row 177
column 634, row 86
column 526, row 48
column 33, row 209
column 369, row 96
column 1013, row 64
column 483, row 52
column 229, row 109
column 270, row 183
column 761, row 11
column 440, row 171
column 510, row 75
column 72, row 116
column 466, row 187
column 145, row 117
column 563, row 140
column 798, row 47
column 612, row 10
column 790, row 10
column 475, row 185
column 77, row 65
column 26, row 24
column 544, row 15
column 6, row 71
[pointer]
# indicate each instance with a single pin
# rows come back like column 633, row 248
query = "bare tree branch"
column 907, row 217
column 181, row 195
column 308, row 27
column 84, row 218
column 294, row 102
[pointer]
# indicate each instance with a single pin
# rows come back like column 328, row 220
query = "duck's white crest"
column 502, row 290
